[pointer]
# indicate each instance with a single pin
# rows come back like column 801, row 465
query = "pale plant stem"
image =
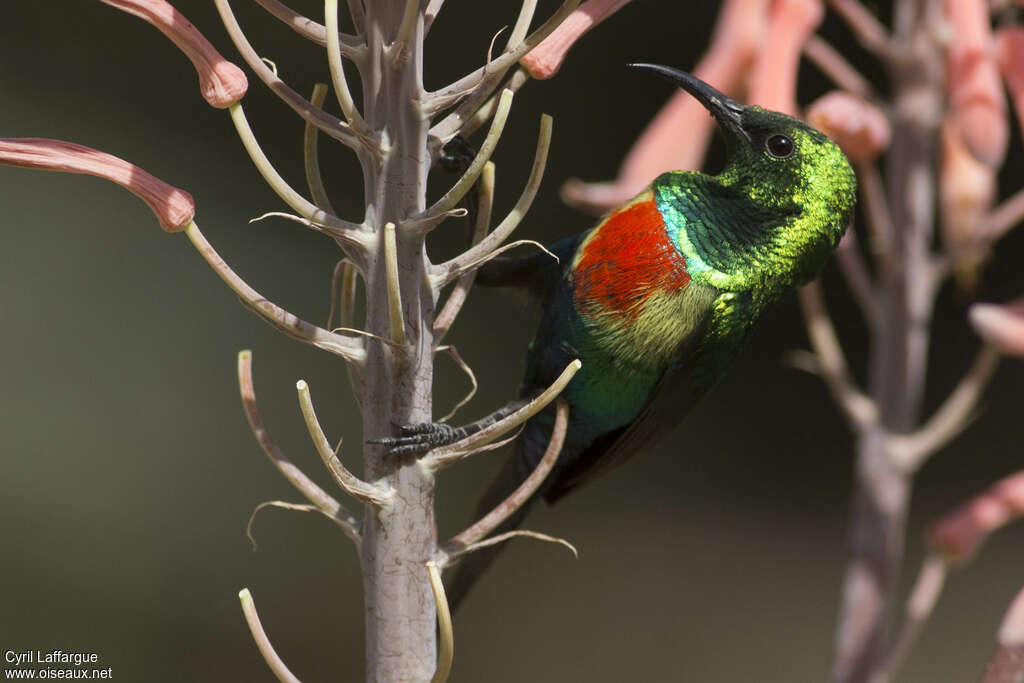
column 262, row 642
column 899, row 345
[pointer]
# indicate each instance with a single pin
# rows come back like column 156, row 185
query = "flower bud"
column 221, row 82
column 857, row 126
column 174, row 208
column 1001, row 325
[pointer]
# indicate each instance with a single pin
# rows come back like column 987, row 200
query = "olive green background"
column 127, row 472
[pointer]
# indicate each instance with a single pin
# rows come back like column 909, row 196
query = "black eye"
column 780, row 146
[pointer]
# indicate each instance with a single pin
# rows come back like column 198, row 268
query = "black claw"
column 419, row 437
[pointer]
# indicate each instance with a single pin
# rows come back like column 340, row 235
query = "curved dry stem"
column 306, row 486
column 485, row 112
column 1004, row 217
column 343, row 295
column 333, row 126
column 400, row 48
column 395, row 315
column 372, row 494
column 876, row 212
column 955, row 413
column 834, row 65
column 262, row 642
column 859, row 410
column 352, row 47
column 475, row 265
column 341, row 91
column 455, row 301
column 344, row 231
column 493, row 519
column 446, row 646
column 919, row 608
column 871, row 33
column 464, row 183
column 311, row 155
column 449, row 270
column 487, row 77
column 858, row 279
column 464, row 366
column 448, row 455
column 290, row 324
column 284, row 505
column 518, row 533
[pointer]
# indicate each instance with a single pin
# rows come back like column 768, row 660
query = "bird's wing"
column 700, row 362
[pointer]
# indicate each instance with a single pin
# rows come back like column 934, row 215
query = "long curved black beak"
column 727, row 111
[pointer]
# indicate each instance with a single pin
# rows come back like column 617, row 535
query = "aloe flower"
column 174, row 208
column 221, row 82
column 959, row 534
column 546, row 59
column 857, row 126
column 1001, row 325
column 976, row 103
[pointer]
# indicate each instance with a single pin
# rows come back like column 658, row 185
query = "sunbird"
column 657, row 298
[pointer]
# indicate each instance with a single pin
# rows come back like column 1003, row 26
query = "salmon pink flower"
column 959, row 534
column 1001, row 325
column 857, row 126
column 174, row 208
column 546, row 59
column 221, row 82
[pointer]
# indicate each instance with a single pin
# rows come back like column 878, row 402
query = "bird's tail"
column 476, row 563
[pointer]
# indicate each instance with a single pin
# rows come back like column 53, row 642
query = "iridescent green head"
column 798, row 183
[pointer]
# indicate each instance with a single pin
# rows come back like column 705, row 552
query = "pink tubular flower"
column 959, row 534
column 1010, row 53
column 1001, row 325
column 546, row 59
column 221, row 82
column 977, row 106
column 174, row 208
column 857, row 126
column 661, row 147
column 1011, row 632
column 967, row 192
column 790, row 24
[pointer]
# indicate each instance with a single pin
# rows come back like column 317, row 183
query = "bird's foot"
column 416, row 438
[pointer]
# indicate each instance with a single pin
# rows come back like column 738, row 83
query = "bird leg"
column 424, row 436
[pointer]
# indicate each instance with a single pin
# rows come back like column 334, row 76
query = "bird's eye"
column 780, row 146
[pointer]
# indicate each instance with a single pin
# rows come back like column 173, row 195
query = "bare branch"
column 455, row 356
column 306, row 486
column 858, row 408
column 877, row 213
column 433, row 9
column 452, row 306
column 348, row 233
column 400, row 48
column 508, row 535
column 337, row 69
column 919, row 608
column 272, row 313
column 484, row 113
column 913, row 449
column 858, row 279
column 262, row 642
column 442, row 457
column 493, row 519
column 871, row 33
column 449, row 270
column 311, row 155
column 333, row 126
column 832, row 63
column 486, row 78
column 351, row 46
column 371, row 494
column 395, row 315
column 446, row 646
column 1003, row 218
column 473, row 266
column 284, row 505
column 464, row 183
column 358, row 14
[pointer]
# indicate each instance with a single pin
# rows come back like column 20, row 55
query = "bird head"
column 783, row 167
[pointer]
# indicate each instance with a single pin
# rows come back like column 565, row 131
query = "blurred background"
column 128, row 472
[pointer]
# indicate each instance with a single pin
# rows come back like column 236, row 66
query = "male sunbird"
column 661, row 294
